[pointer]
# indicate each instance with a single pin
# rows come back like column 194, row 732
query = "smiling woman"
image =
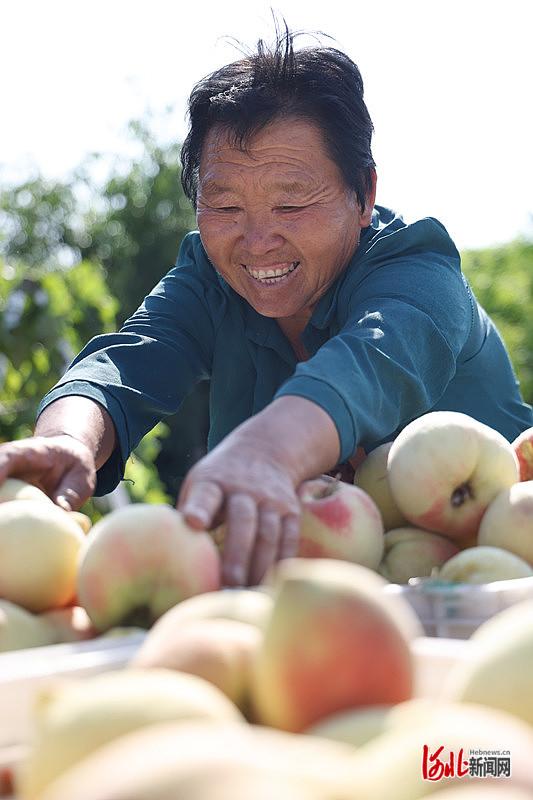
column 325, row 323
column 277, row 219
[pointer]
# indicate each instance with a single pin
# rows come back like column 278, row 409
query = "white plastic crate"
column 455, row 611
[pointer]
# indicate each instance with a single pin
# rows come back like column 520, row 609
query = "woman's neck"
column 293, row 328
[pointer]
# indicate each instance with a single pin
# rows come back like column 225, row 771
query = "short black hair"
column 319, row 84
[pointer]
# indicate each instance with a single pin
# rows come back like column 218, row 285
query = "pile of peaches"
column 303, row 688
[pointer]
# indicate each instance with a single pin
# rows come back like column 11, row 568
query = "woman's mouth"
column 276, row 273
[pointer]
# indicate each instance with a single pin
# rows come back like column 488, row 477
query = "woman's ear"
column 366, row 213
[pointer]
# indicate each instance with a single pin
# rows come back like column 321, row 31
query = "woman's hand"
column 62, row 466
column 255, row 495
column 250, row 480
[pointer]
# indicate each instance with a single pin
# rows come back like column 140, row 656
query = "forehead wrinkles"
column 290, row 157
column 233, row 178
column 256, row 158
column 230, row 169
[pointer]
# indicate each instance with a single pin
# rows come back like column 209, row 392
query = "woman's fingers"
column 253, row 496
column 200, row 503
column 290, row 535
column 23, row 459
column 266, row 544
column 74, row 488
column 61, row 466
column 241, row 520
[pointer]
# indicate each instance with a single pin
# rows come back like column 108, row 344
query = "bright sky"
column 448, row 83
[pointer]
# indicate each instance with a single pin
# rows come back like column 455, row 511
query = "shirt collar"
column 327, row 305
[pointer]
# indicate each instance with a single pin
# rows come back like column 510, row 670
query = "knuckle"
column 269, row 526
column 207, row 491
column 291, row 530
column 242, row 504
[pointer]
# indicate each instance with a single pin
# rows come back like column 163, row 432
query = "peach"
column 77, row 716
column 334, row 641
column 499, row 673
column 165, row 761
column 339, row 521
column 445, row 468
column 71, row 624
column 219, row 650
column 356, row 726
column 479, row 790
column 413, row 553
column 251, row 606
column 15, row 489
column 83, row 520
column 20, row 629
column 508, row 521
column 523, row 447
column 371, row 476
column 392, row 764
column 139, row 561
column 39, row 548
column 483, row 564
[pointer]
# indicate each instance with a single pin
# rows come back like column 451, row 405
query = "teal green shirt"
column 398, row 334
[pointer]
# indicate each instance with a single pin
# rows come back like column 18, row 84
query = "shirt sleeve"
column 405, row 324
column 144, row 372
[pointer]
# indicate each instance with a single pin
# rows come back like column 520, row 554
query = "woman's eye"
column 290, row 208
column 230, row 209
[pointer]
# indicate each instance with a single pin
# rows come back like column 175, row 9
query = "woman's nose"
column 259, row 234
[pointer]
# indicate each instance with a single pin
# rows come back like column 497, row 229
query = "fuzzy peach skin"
column 20, row 629
column 481, row 791
column 39, row 548
column 445, row 468
column 161, row 762
column 220, row 651
column 356, row 726
column 15, row 489
column 484, row 564
column 508, row 521
column 499, row 674
column 371, row 476
column 523, row 447
column 82, row 520
column 73, row 718
column 339, row 521
column 334, row 641
column 251, row 606
column 139, row 561
column 70, row 624
column 413, row 553
column 391, row 764
column 220, row 781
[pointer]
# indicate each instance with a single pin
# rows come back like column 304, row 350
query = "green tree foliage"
column 141, row 218
column 502, row 278
column 37, row 220
column 46, row 316
column 135, row 230
column 132, row 226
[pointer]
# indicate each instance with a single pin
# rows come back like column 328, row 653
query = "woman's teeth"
column 271, row 275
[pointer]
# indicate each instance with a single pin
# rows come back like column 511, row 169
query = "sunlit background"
column 448, row 85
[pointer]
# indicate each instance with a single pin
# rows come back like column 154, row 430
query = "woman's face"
column 277, row 221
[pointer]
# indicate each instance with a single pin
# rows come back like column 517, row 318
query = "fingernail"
column 62, row 501
column 195, row 516
column 236, row 576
